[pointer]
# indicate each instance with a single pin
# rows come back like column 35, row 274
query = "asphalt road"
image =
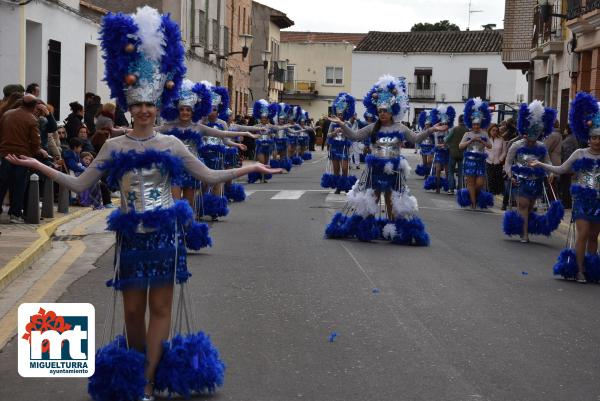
column 475, row 316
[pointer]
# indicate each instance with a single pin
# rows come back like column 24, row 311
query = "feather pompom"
column 273, row 163
column 235, row 192
column 253, row 177
column 368, row 230
column 592, row 267
column 410, row 231
column 512, row 223
column 364, row 203
column 405, row 167
column 422, row 170
column 119, row 373
column 389, row 231
column 328, row 180
column 548, row 222
column 189, row 363
column 297, row 160
column 404, row 204
column 337, row 228
column 351, row 226
column 566, row 264
column 213, row 205
column 463, row 198
column 485, row 199
column 197, row 237
column 430, row 183
column 306, row 156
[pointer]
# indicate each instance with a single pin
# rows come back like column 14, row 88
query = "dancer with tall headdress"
column 385, row 175
column 144, row 67
column 438, row 179
column 264, row 113
column 477, row 118
column 528, row 184
column 579, row 260
column 336, row 174
column 281, row 154
column 426, row 147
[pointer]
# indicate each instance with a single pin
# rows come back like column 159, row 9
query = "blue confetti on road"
column 332, row 337
column 524, row 273
column 376, row 291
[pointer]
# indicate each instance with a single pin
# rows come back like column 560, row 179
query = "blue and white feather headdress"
column 284, row 112
column 144, row 57
column 388, row 93
column 584, row 116
column 300, row 115
column 444, row 114
column 194, row 95
column 345, row 105
column 476, row 110
column 219, row 99
column 262, row 108
column 424, row 118
column 536, row 120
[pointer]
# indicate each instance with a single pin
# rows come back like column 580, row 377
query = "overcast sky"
column 385, row 15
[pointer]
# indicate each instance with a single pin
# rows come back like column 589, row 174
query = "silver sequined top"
column 587, row 178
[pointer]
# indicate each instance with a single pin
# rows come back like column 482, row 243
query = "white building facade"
column 55, row 45
column 440, row 68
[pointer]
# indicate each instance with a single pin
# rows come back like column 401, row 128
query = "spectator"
column 10, row 102
column 553, row 144
column 510, row 135
column 495, row 160
column 83, row 135
column 104, row 128
column 19, row 135
column 62, row 138
column 33, row 89
column 54, row 148
column 74, row 120
column 120, row 119
column 10, row 89
column 72, row 156
column 92, row 107
column 456, row 155
column 46, row 122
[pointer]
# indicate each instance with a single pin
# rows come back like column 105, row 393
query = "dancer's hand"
column 533, row 163
column 24, row 161
column 250, row 135
column 241, row 146
column 264, row 169
column 335, row 119
column 440, row 127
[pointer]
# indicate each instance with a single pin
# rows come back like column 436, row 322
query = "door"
column 54, row 76
column 478, row 83
column 564, row 109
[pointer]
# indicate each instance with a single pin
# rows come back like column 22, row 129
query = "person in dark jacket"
column 92, row 106
column 72, row 156
column 74, row 120
column 456, row 155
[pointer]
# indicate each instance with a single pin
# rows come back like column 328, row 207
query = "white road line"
column 359, row 265
column 289, row 195
column 249, row 192
column 335, row 198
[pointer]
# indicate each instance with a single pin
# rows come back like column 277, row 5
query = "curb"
column 33, row 252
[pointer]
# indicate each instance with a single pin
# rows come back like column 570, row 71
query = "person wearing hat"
column 144, row 68
column 579, row 260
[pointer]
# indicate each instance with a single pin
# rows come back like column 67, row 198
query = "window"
column 423, row 78
column 290, row 73
column 199, row 29
column 334, row 75
column 215, row 35
column 274, row 50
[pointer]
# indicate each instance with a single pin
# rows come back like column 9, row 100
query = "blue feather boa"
column 337, row 228
column 566, row 266
column 122, row 162
column 585, row 164
column 213, row 205
column 410, row 231
column 189, row 363
column 119, row 373
column 537, row 224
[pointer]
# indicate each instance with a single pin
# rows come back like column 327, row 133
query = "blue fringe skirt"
column 586, row 204
column 442, row 156
column 281, row 144
column 380, row 180
column 474, row 165
column 529, row 188
column 264, row 147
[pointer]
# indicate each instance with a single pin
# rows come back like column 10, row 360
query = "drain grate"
column 67, row 237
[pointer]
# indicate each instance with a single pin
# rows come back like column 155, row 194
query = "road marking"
column 359, row 265
column 332, row 197
column 289, row 195
column 249, row 192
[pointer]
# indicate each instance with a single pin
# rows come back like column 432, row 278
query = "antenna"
column 471, row 11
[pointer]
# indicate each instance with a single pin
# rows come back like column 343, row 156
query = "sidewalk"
column 22, row 244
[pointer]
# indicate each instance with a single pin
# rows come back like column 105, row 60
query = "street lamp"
column 246, row 43
column 265, row 55
column 546, row 7
column 282, row 64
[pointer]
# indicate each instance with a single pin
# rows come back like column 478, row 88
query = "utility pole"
column 471, row 11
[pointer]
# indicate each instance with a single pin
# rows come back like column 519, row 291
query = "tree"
column 444, row 25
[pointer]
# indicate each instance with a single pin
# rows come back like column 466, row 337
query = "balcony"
column 421, row 91
column 476, row 90
column 583, row 15
column 300, row 90
column 547, row 33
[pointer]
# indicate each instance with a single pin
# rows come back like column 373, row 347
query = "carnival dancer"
column 265, row 113
column 144, row 66
column 183, row 116
column 477, row 118
column 356, row 148
column 281, row 156
column 336, row 174
column 441, row 153
column 579, row 260
column 214, row 151
column 385, row 174
column 528, row 184
column 426, row 146
column 368, row 119
column 304, row 135
column 293, row 133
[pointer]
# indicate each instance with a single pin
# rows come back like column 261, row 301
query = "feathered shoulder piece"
column 388, row 93
column 144, row 57
column 584, row 116
column 476, row 110
column 344, row 104
column 535, row 119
